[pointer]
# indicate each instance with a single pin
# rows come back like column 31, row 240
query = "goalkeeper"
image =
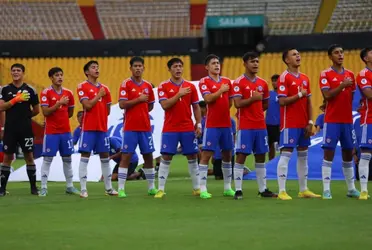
column 20, row 103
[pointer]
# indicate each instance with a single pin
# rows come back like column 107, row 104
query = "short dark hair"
column 202, row 104
column 80, row 113
column 274, row 77
column 136, row 59
column 19, row 66
column 250, row 55
column 364, row 52
column 332, row 47
column 54, row 70
column 173, row 61
column 285, row 54
column 88, row 64
column 210, row 57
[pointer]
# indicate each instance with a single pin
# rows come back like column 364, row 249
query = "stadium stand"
column 312, row 64
column 42, row 20
column 351, row 16
column 113, row 70
column 284, row 16
column 144, row 18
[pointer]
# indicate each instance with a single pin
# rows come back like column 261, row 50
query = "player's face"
column 57, row 78
column 176, row 70
column 251, row 65
column 17, row 74
column 214, row 66
column 293, row 58
column 137, row 69
column 369, row 57
column 93, row 70
column 337, row 56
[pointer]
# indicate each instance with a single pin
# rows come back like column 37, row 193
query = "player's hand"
column 308, row 131
column 1, row 135
column 224, row 88
column 22, row 97
column 347, row 82
column 303, row 91
column 64, row 100
column 198, row 132
column 184, row 91
column 102, row 92
column 257, row 95
column 143, row 98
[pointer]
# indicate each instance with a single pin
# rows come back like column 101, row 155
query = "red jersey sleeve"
column 231, row 90
column 108, row 96
column 123, row 93
column 237, row 89
column 308, row 87
column 194, row 95
column 266, row 93
column 363, row 82
column 151, row 95
column 44, row 100
column 353, row 87
column 203, row 86
column 282, row 87
column 323, row 81
column 71, row 100
column 82, row 93
column 162, row 93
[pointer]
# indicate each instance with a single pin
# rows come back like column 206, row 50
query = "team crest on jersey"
column 81, row 93
column 123, row 92
column 204, row 87
column 364, row 81
column 304, row 83
column 164, row 146
column 259, row 88
column 236, row 89
column 44, row 98
column 85, row 145
column 243, row 146
column 291, row 141
column 324, row 81
column 282, row 88
column 161, row 93
column 328, row 140
column 146, row 90
column 370, row 141
column 125, row 146
column 48, row 150
column 209, row 143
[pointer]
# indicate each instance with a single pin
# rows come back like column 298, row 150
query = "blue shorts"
column 96, row 141
column 133, row 138
column 366, row 138
column 293, row 138
column 1, row 146
column 214, row 137
column 58, row 142
column 335, row 132
column 252, row 140
column 170, row 140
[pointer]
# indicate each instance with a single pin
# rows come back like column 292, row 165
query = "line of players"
column 249, row 93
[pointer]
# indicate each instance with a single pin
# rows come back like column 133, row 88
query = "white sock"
column 364, row 171
column 227, row 175
column 150, row 177
column 67, row 170
column 326, row 175
column 261, row 176
column 203, row 172
column 106, row 172
column 238, row 176
column 302, row 169
column 163, row 173
column 45, row 167
column 122, row 177
column 194, row 173
column 348, row 170
column 83, row 172
column 282, row 170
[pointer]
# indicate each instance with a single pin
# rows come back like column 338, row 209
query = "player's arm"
column 20, row 97
column 89, row 104
column 365, row 85
column 108, row 101
column 212, row 97
column 70, row 112
column 329, row 93
column 150, row 99
column 35, row 110
column 47, row 111
column 265, row 104
column 168, row 103
column 197, row 113
column 116, row 155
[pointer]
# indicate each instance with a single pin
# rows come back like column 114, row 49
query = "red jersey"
column 58, row 122
column 96, row 118
column 218, row 112
column 137, row 117
column 364, row 80
column 252, row 116
column 294, row 115
column 339, row 108
column 178, row 117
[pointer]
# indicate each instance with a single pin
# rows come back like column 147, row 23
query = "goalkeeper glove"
column 20, row 97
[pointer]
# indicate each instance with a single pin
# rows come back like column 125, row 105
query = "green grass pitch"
column 182, row 221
